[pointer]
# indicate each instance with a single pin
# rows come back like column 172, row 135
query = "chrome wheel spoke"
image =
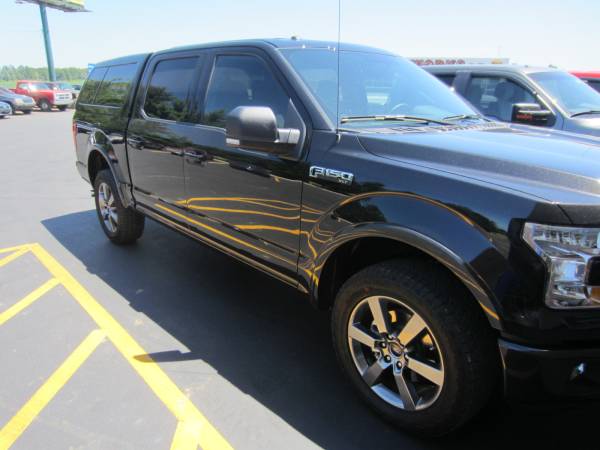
column 358, row 333
column 436, row 376
column 372, row 374
column 114, row 216
column 111, row 200
column 412, row 329
column 380, row 316
column 406, row 391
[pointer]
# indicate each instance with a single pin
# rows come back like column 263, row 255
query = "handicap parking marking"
column 193, row 428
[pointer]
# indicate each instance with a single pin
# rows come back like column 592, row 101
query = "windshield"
column 374, row 84
column 39, row 87
column 569, row 92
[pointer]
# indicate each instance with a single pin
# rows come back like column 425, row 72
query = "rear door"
column 248, row 201
column 158, row 132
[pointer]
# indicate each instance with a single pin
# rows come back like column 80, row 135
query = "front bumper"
column 534, row 374
column 23, row 106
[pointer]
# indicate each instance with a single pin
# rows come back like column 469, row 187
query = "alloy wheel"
column 395, row 353
column 107, row 207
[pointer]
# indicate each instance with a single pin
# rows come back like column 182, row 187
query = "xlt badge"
column 331, row 174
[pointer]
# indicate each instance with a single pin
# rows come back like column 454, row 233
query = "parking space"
column 168, row 344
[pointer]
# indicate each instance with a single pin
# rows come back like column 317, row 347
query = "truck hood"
column 555, row 166
column 584, row 124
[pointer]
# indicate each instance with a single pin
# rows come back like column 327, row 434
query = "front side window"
column 91, row 85
column 595, row 84
column 373, row 84
column 495, row 96
column 115, row 87
column 243, row 80
column 569, row 92
column 168, row 88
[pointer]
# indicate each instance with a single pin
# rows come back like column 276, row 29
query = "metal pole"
column 47, row 43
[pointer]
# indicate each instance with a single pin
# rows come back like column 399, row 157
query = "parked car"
column 592, row 78
column 535, row 96
column 63, row 86
column 458, row 255
column 5, row 110
column 17, row 102
column 44, row 95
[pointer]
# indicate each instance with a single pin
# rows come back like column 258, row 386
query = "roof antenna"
column 339, row 38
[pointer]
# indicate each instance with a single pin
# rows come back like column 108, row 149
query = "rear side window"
column 90, row 87
column 168, row 89
column 115, row 87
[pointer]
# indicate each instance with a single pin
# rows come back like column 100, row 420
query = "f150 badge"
column 331, row 174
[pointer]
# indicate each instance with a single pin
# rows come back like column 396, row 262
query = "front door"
column 248, row 201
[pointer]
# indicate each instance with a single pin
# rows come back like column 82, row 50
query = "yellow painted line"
column 489, row 311
column 164, row 388
column 20, row 421
column 27, row 300
column 186, row 436
column 4, row 261
column 271, row 228
column 14, row 249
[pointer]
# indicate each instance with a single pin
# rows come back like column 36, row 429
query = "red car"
column 592, row 78
column 44, row 95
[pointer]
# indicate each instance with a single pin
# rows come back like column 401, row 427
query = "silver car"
column 5, row 110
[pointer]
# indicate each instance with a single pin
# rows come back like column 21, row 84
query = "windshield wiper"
column 591, row 111
column 401, row 118
column 463, row 117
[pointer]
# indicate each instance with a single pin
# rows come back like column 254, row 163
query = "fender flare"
column 104, row 155
column 437, row 251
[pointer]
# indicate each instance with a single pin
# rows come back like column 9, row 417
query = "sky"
column 535, row 32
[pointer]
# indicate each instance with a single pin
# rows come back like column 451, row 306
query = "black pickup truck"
column 459, row 256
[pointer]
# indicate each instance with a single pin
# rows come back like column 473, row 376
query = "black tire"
column 461, row 333
column 130, row 224
column 26, row 111
column 45, row 105
column 62, row 107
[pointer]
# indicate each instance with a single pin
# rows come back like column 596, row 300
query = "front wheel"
column 121, row 225
column 414, row 345
column 45, row 105
column 26, row 111
column 62, row 107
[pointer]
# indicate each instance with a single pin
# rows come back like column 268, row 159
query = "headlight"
column 19, row 101
column 568, row 254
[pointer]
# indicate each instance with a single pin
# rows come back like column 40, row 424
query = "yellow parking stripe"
column 186, row 436
column 14, row 249
column 4, row 261
column 27, row 300
column 20, row 421
column 196, row 429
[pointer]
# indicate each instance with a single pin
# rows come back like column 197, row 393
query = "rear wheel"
column 418, row 352
column 121, row 225
column 45, row 105
column 26, row 111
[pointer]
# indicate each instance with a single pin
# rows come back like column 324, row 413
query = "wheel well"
column 96, row 163
column 355, row 255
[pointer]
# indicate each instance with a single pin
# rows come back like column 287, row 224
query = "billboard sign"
column 63, row 5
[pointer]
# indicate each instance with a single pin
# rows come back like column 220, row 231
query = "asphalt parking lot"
column 168, row 344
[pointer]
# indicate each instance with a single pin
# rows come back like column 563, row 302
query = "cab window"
column 90, row 87
column 495, row 96
column 115, row 86
column 243, row 80
column 167, row 92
